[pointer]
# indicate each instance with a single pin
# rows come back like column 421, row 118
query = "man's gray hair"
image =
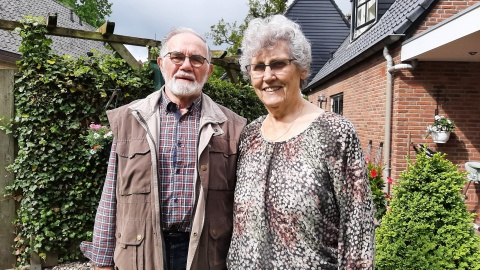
column 182, row 30
column 264, row 34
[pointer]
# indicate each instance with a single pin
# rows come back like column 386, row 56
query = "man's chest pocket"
column 223, row 163
column 134, row 173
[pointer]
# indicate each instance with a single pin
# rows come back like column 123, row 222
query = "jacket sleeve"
column 100, row 250
column 357, row 241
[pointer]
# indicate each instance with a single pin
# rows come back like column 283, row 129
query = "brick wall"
column 453, row 86
column 444, row 10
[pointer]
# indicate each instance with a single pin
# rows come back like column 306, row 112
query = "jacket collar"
column 211, row 112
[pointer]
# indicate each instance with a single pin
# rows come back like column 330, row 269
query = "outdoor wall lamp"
column 321, row 98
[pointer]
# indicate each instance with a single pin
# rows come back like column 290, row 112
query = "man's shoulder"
column 127, row 108
column 231, row 115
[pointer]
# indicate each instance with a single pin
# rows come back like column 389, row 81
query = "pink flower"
column 389, row 180
column 373, row 173
column 95, row 126
column 367, row 159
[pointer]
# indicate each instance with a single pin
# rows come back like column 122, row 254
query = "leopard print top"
column 303, row 203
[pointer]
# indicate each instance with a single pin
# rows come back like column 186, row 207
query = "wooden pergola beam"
column 82, row 34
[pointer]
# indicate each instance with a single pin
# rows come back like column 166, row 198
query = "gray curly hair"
column 182, row 30
column 263, row 34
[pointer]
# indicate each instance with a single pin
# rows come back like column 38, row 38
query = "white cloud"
column 154, row 18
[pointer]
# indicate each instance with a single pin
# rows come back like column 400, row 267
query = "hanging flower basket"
column 440, row 136
column 441, row 129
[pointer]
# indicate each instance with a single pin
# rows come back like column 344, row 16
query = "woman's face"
column 282, row 85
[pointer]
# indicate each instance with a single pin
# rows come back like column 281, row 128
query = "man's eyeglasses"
column 178, row 58
column 277, row 66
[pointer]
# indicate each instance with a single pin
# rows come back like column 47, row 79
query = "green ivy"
column 57, row 182
column 428, row 226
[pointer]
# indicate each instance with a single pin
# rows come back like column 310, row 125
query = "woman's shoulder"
column 334, row 120
column 333, row 125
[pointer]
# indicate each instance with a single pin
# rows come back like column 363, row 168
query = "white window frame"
column 336, row 103
column 365, row 15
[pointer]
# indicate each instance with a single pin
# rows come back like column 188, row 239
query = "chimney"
column 71, row 15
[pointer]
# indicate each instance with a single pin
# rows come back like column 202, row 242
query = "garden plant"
column 428, row 226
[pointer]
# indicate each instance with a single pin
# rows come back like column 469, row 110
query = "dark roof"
column 323, row 24
column 14, row 10
column 388, row 29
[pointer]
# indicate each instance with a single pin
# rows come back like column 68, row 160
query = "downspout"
column 391, row 69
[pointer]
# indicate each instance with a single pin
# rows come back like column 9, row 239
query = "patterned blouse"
column 303, row 203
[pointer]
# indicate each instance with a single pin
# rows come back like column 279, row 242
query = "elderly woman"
column 302, row 199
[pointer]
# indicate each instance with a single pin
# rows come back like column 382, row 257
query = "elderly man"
column 167, row 201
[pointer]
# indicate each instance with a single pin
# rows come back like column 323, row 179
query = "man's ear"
column 210, row 70
column 159, row 63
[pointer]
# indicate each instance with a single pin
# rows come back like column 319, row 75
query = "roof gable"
column 323, row 24
column 15, row 10
column 395, row 22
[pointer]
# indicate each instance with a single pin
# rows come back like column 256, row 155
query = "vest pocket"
column 220, row 233
column 134, row 173
column 129, row 251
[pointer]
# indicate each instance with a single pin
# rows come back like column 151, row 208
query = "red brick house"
column 403, row 62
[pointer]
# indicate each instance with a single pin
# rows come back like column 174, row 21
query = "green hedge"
column 57, row 182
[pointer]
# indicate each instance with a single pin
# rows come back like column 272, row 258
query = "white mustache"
column 184, row 74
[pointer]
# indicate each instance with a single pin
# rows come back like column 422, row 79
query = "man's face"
column 185, row 79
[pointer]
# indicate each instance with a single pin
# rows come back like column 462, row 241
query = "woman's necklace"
column 291, row 125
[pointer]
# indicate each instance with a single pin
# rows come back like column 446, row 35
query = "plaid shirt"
column 100, row 250
column 176, row 163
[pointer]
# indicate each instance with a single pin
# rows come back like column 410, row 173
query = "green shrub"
column 239, row 98
column 428, row 226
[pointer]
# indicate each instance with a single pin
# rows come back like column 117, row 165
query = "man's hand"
column 103, row 268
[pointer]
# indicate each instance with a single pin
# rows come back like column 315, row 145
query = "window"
column 337, row 103
column 365, row 14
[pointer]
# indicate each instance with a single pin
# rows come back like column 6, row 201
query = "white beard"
column 185, row 88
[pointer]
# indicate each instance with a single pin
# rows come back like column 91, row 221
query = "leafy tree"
column 428, row 226
column 92, row 11
column 231, row 33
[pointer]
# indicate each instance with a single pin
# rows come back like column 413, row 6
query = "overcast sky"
column 154, row 18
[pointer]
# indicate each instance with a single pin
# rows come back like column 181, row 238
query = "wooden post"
column 7, row 154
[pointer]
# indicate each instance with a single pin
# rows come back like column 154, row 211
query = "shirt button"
column 203, row 167
column 118, row 235
column 195, row 234
column 139, row 237
column 214, row 232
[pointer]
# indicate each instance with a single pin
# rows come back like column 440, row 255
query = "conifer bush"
column 428, row 226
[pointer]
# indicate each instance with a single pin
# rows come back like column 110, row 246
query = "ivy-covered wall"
column 58, row 181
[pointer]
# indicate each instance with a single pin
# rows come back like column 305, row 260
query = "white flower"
column 92, row 151
column 108, row 135
column 438, row 117
column 96, row 136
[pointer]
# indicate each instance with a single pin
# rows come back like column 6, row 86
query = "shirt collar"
column 170, row 106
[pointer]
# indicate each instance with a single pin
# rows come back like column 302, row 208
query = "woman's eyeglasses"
column 178, row 58
column 276, row 67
